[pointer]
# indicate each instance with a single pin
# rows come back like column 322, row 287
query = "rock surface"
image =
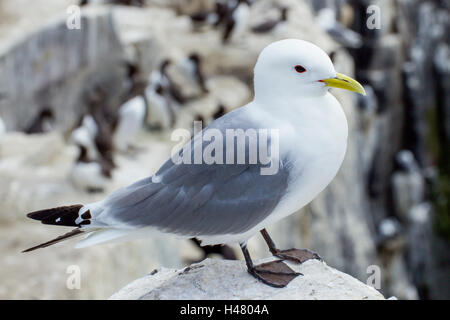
column 224, row 279
column 58, row 65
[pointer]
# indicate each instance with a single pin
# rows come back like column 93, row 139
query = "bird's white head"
column 297, row 68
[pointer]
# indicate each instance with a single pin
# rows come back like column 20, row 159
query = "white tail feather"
column 102, row 236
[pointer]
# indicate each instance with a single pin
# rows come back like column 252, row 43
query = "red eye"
column 299, row 68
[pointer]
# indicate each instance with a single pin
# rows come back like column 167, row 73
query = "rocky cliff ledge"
column 226, row 279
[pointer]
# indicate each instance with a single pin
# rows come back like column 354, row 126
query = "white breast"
column 317, row 148
column 158, row 109
column 130, row 122
column 82, row 136
column 240, row 16
column 316, row 140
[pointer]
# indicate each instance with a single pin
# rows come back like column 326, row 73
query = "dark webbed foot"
column 275, row 273
column 296, row 255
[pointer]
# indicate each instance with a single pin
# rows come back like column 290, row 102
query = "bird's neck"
column 278, row 96
column 303, row 111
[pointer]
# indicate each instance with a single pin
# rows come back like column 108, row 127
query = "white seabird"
column 88, row 174
column 160, row 113
column 85, row 135
column 236, row 22
column 326, row 18
column 131, row 119
column 229, row 203
column 42, row 122
column 272, row 24
column 191, row 67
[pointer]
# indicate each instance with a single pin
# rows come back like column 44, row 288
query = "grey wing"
column 201, row 199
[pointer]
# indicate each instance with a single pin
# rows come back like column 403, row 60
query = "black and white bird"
column 270, row 25
column 214, row 17
column 88, row 174
column 204, row 18
column 95, row 127
column 106, row 121
column 220, row 111
column 348, row 38
column 131, row 119
column 168, row 85
column 223, row 202
column 92, row 170
column 388, row 229
column 193, row 70
column 43, row 122
column 221, row 9
column 134, row 82
column 160, row 113
column 84, row 135
column 406, row 162
column 236, row 21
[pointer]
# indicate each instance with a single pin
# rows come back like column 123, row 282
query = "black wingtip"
column 63, row 216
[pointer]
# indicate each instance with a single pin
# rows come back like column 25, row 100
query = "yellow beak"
column 344, row 82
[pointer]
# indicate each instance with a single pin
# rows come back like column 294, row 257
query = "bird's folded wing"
column 200, row 199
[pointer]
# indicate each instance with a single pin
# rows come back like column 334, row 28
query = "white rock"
column 226, row 279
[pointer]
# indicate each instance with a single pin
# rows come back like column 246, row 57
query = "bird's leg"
column 296, row 255
column 275, row 273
